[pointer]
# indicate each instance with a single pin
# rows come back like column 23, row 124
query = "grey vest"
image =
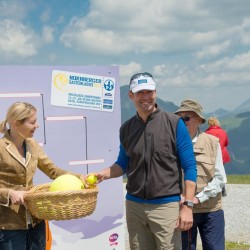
column 154, row 169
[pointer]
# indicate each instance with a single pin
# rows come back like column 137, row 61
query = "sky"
column 195, row 49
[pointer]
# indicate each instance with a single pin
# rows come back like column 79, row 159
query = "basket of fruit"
column 63, row 199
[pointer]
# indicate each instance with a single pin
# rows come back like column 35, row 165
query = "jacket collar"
column 213, row 127
column 12, row 150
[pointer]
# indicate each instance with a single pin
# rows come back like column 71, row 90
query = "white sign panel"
column 77, row 141
column 82, row 91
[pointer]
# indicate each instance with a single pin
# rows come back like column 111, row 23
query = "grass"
column 232, row 122
column 232, row 246
column 238, row 179
column 237, row 246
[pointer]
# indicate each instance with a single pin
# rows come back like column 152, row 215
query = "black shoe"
column 224, row 192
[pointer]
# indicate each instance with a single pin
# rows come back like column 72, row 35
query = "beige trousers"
column 153, row 227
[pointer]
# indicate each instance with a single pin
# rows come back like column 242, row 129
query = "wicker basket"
column 60, row 205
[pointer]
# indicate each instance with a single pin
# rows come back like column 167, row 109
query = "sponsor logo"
column 142, row 81
column 84, row 81
column 113, row 239
column 107, row 101
column 109, row 85
column 61, row 82
column 107, row 106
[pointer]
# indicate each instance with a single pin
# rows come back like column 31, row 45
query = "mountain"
column 128, row 109
column 244, row 107
column 236, row 123
column 219, row 113
column 239, row 147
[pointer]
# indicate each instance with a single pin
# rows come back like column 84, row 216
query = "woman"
column 20, row 156
column 215, row 130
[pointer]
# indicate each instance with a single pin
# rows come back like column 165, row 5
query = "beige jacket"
column 205, row 150
column 17, row 175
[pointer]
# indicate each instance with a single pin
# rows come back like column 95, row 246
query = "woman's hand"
column 16, row 197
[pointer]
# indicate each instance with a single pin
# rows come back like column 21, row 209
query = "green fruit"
column 91, row 179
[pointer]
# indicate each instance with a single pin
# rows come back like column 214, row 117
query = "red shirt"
column 218, row 132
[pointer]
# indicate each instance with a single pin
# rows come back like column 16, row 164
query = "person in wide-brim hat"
column 191, row 106
column 211, row 178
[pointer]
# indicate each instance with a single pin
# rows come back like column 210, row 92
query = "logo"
column 109, row 85
column 113, row 239
column 142, row 81
column 61, row 82
column 107, row 101
column 108, row 94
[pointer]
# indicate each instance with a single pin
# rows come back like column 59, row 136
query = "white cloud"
column 187, row 45
column 160, row 70
column 245, row 36
column 19, row 41
column 16, row 39
column 155, row 27
column 213, row 50
column 93, row 40
column 16, row 9
column 223, row 73
column 129, row 69
column 239, row 63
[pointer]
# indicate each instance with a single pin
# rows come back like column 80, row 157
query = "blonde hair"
column 18, row 111
column 213, row 121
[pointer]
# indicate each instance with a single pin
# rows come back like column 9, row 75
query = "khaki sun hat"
column 193, row 106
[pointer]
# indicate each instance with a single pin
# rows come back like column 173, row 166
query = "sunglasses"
column 140, row 74
column 186, row 118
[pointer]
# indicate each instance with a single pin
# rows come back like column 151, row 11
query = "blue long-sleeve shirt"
column 186, row 157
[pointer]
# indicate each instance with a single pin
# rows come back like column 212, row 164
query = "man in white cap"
column 154, row 149
column 211, row 177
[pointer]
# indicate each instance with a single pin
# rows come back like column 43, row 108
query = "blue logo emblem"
column 142, row 81
column 109, row 85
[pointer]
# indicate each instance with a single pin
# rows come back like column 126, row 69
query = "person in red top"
column 215, row 130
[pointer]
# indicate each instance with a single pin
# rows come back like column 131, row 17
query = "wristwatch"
column 189, row 204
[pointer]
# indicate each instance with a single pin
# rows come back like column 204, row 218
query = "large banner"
column 79, row 117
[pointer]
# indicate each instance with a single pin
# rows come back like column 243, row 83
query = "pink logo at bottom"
column 113, row 237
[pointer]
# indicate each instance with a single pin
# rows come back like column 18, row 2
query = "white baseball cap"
column 142, row 81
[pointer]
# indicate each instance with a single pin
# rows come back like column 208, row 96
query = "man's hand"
column 196, row 200
column 185, row 221
column 91, row 180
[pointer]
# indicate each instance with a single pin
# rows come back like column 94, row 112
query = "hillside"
column 239, row 146
column 236, row 124
column 128, row 109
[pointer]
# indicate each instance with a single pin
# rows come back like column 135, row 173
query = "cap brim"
column 141, row 87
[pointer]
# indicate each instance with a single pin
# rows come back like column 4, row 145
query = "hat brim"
column 190, row 110
column 143, row 87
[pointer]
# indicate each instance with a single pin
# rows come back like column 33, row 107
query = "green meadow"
column 238, row 179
